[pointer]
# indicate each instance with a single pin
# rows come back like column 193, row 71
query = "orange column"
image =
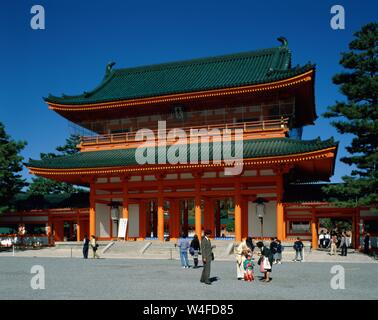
column 142, row 220
column 160, row 217
column 160, row 212
column 314, row 233
column 92, row 211
column 197, row 210
column 78, row 227
column 279, row 208
column 238, row 213
column 244, row 208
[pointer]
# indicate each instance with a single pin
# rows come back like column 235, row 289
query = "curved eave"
column 256, row 88
column 83, row 174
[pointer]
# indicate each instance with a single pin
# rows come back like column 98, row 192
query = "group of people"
column 335, row 240
column 268, row 255
column 196, row 248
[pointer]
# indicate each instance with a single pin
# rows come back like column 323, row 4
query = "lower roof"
column 252, row 149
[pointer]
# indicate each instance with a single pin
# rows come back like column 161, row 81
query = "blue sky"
column 81, row 37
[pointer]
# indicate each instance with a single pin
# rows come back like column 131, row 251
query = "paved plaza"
column 75, row 278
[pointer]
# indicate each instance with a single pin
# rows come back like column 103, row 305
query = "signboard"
column 122, row 227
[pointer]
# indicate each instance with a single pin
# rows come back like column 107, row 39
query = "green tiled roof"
column 24, row 201
column 226, row 71
column 126, row 157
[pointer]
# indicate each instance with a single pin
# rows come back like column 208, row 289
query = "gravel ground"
column 76, row 278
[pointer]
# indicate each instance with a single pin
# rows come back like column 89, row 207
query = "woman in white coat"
column 240, row 252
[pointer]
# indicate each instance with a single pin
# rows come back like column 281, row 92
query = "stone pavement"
column 165, row 280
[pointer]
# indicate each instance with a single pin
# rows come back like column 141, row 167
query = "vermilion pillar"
column 314, row 234
column 197, row 210
column 279, row 208
column 160, row 212
column 92, row 210
column 238, row 213
column 78, row 227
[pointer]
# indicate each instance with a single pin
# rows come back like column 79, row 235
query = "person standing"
column 194, row 249
column 298, row 247
column 85, row 247
column 250, row 245
column 321, row 239
column 333, row 245
column 278, row 255
column 327, row 239
column 94, row 246
column 265, row 261
column 207, row 257
column 367, row 243
column 344, row 244
column 183, row 245
column 240, row 253
column 273, row 249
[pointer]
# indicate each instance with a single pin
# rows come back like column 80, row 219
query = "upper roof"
column 220, row 72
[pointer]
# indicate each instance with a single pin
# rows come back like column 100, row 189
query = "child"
column 278, row 255
column 248, row 267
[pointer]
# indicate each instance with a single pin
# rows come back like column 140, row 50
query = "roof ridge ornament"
column 109, row 68
column 284, row 42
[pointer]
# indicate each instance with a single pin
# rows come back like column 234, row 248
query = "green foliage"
column 11, row 182
column 41, row 185
column 230, row 227
column 358, row 115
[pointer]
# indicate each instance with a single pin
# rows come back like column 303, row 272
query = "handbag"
column 262, row 270
column 266, row 264
column 191, row 251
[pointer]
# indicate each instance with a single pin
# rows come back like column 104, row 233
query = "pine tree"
column 358, row 116
column 11, row 182
column 41, row 185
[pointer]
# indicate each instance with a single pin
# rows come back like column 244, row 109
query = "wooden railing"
column 247, row 127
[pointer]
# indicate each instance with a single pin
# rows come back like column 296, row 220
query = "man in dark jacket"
column 367, row 243
column 207, row 255
column 298, row 247
column 85, row 247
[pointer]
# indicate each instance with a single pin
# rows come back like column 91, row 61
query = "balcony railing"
column 249, row 128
